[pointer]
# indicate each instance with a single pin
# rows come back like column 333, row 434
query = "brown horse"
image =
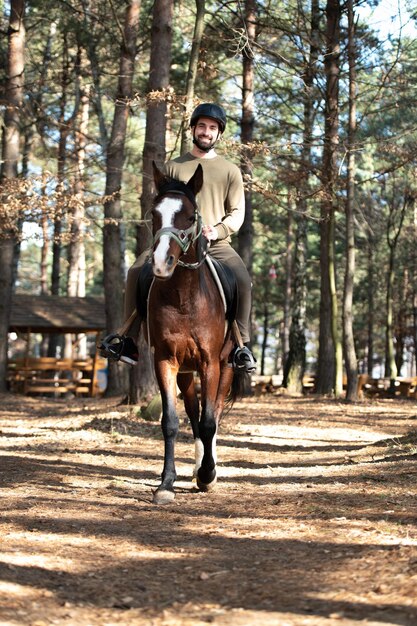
column 187, row 330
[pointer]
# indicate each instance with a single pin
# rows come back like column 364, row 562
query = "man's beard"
column 204, row 147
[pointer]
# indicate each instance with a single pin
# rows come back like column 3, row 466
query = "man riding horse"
column 222, row 206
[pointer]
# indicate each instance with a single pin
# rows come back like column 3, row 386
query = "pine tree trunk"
column 64, row 125
column 39, row 120
column 44, row 254
column 397, row 214
column 402, row 322
column 348, row 338
column 76, row 248
column 64, row 128
column 245, row 236
column 329, row 376
column 113, row 254
column 296, row 359
column 142, row 380
column 370, row 299
column 390, row 365
column 155, row 141
column 289, row 272
column 9, row 213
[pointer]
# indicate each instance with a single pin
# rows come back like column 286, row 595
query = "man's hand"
column 210, row 233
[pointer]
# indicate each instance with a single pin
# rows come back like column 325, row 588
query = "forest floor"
column 313, row 520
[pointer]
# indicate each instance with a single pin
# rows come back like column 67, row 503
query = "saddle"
column 224, row 278
column 227, row 286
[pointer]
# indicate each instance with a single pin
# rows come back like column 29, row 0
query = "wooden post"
column 26, row 361
column 94, row 371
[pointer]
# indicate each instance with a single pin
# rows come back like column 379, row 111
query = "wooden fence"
column 367, row 386
column 56, row 377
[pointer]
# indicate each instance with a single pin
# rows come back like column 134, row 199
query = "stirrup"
column 243, row 359
column 111, row 346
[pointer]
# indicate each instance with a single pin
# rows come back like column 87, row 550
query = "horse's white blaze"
column 167, row 210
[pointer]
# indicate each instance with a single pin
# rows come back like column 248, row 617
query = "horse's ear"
column 196, row 181
column 159, row 177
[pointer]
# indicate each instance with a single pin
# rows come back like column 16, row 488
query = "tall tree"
column 329, row 375
column 64, row 127
column 9, row 187
column 245, row 236
column 296, row 360
column 289, row 273
column 142, row 382
column 113, row 254
column 397, row 211
column 76, row 247
column 156, row 112
column 348, row 338
column 370, row 290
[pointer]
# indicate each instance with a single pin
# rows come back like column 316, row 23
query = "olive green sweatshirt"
column 221, row 200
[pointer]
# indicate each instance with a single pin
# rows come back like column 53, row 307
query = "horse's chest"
column 189, row 322
column 189, row 317
column 185, row 306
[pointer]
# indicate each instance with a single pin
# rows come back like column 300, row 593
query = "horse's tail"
column 240, row 387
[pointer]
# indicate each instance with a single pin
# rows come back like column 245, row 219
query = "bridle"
column 184, row 237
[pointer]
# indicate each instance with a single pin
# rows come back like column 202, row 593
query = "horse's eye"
column 191, row 219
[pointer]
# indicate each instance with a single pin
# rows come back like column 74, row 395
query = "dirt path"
column 312, row 522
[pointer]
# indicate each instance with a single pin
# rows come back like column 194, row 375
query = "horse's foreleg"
column 165, row 492
column 192, row 408
column 206, row 475
column 226, row 379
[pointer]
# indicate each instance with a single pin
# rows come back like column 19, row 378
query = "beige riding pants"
column 220, row 250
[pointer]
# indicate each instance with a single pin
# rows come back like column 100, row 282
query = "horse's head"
column 176, row 223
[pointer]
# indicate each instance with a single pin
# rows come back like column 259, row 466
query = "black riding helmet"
column 209, row 109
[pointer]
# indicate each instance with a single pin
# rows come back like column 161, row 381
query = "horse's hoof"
column 206, row 486
column 163, row 496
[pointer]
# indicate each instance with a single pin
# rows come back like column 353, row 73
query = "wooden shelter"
column 57, row 314
column 47, row 314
